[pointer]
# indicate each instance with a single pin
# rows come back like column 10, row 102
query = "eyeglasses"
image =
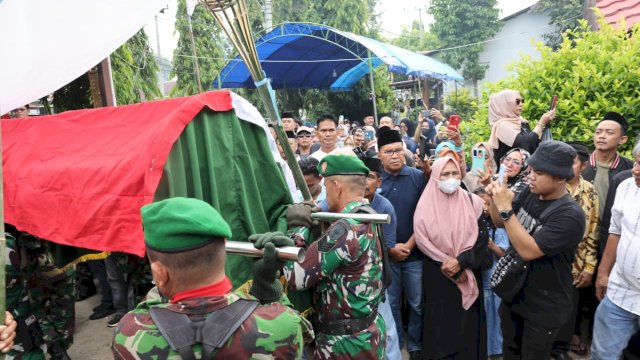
column 513, row 161
column 304, row 135
column 519, row 101
column 393, row 152
column 20, row 110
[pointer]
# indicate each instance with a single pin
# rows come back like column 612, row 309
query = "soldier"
column 41, row 296
column 345, row 265
column 18, row 271
column 192, row 313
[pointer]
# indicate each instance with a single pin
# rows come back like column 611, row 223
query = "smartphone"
column 477, row 162
column 432, row 152
column 369, row 135
column 501, row 173
column 341, row 119
column 554, row 100
column 454, row 120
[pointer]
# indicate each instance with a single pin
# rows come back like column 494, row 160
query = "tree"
column 459, row 24
column 135, row 71
column 591, row 72
column 563, row 15
column 211, row 49
column 415, row 38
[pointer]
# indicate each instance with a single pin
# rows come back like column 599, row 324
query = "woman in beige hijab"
column 508, row 129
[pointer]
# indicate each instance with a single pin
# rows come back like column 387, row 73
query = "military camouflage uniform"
column 345, row 265
column 272, row 331
column 17, row 271
column 52, row 293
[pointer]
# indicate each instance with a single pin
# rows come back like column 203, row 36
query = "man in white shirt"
column 618, row 282
column 327, row 134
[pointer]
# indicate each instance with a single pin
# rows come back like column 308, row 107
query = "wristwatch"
column 506, row 214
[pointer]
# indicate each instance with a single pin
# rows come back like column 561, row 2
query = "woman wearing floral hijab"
column 447, row 231
column 515, row 160
column 510, row 130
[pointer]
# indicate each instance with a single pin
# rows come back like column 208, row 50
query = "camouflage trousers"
column 53, row 295
column 367, row 344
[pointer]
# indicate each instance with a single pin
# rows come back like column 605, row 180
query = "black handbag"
column 510, row 273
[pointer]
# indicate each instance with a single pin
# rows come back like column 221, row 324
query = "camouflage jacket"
column 273, row 330
column 345, row 265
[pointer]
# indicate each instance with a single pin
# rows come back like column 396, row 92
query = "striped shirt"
column 624, row 280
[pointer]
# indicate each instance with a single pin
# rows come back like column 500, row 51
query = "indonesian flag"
column 79, row 178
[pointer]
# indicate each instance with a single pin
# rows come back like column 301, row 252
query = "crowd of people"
column 453, row 225
column 522, row 249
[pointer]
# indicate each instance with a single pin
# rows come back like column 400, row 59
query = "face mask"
column 425, row 133
column 449, row 186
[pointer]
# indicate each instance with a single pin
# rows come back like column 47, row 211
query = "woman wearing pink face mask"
column 447, row 230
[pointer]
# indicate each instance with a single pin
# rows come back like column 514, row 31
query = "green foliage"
column 563, row 15
column 463, row 22
column 210, row 49
column 591, row 72
column 135, row 71
column 415, row 38
column 73, row 96
column 462, row 102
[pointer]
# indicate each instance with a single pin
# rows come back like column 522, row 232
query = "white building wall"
column 512, row 41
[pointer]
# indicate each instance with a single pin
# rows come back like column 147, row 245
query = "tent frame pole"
column 373, row 88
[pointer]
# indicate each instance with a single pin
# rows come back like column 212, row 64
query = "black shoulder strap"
column 566, row 199
column 181, row 333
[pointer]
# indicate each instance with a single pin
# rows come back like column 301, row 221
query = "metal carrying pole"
column 233, row 17
column 365, row 218
column 285, row 253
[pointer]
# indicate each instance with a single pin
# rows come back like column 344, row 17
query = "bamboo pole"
column 233, row 17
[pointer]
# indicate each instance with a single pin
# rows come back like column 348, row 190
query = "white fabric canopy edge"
column 46, row 44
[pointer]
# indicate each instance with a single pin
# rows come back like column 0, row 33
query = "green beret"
column 342, row 165
column 181, row 224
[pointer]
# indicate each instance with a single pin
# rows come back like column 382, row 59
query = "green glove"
column 299, row 215
column 266, row 287
column 277, row 238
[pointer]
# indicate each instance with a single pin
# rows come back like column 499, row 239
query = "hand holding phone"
column 477, row 162
column 369, row 135
column 554, row 100
column 501, row 173
column 454, row 120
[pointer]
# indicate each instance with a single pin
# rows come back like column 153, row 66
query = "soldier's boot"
column 58, row 352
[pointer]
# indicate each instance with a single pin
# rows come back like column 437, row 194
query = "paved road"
column 92, row 340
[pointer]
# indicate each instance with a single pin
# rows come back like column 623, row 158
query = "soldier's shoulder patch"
column 335, row 232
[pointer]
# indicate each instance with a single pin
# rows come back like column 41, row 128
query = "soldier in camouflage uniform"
column 185, row 245
column 37, row 286
column 345, row 265
column 17, row 271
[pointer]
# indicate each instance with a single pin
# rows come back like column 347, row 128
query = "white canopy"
column 46, row 44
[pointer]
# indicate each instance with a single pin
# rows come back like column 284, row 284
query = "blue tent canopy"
column 311, row 56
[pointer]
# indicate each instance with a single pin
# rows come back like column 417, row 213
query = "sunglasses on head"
column 519, row 101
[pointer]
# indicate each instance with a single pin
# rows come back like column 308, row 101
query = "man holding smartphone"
column 547, row 239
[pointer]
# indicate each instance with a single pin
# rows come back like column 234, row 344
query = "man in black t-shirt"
column 531, row 320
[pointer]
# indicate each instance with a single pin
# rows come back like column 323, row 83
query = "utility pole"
column 158, row 37
column 268, row 15
column 419, row 10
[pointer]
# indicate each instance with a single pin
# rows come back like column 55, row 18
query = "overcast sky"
column 394, row 14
